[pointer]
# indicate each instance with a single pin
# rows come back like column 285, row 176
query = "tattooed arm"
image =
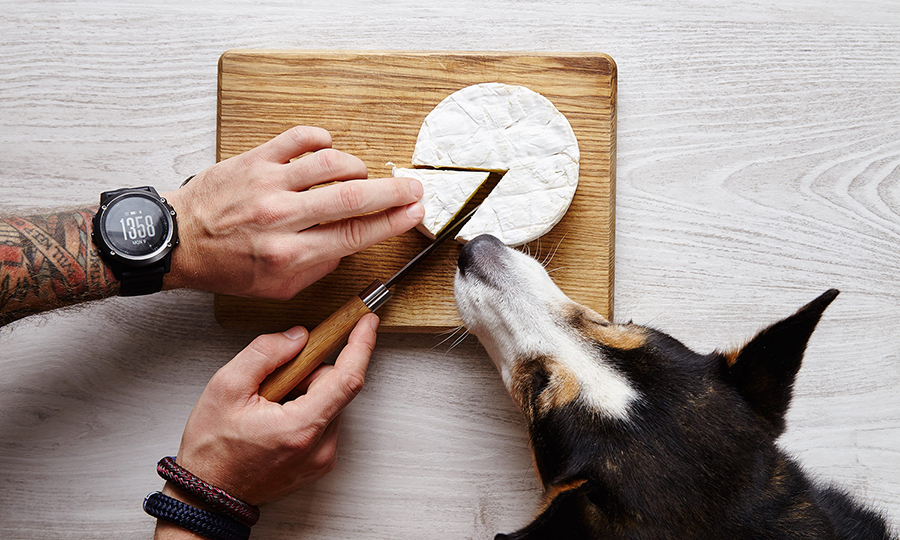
column 248, row 226
column 47, row 262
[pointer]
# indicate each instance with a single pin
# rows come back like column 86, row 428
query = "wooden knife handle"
column 323, row 340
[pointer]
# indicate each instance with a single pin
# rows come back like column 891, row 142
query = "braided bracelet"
column 206, row 524
column 217, row 499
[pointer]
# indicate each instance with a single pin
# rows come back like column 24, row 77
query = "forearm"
column 47, row 262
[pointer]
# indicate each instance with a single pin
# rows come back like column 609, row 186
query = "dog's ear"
column 763, row 371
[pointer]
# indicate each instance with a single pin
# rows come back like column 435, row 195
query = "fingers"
column 292, row 143
column 353, row 198
column 341, row 238
column 348, row 195
column 302, row 388
column 247, row 370
column 334, row 389
column 323, row 166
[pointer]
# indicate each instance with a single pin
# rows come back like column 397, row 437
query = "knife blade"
column 331, row 333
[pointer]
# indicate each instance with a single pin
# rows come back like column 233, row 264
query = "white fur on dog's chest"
column 519, row 314
column 568, row 359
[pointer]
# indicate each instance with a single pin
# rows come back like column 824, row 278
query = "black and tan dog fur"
column 636, row 436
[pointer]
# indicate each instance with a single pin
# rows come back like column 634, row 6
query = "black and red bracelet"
column 217, row 499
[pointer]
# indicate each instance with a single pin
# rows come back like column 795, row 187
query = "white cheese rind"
column 445, row 193
column 526, row 203
column 498, row 127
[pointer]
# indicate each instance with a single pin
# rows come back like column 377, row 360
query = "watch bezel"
column 138, row 260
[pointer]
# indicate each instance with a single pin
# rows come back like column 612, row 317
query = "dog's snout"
column 478, row 252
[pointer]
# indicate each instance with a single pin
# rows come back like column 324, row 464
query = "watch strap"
column 110, row 195
column 147, row 280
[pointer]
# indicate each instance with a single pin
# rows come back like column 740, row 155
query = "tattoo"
column 48, row 262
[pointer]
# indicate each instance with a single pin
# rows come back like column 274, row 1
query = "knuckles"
column 351, row 198
column 274, row 260
column 352, row 384
column 266, row 215
column 333, row 164
column 353, row 235
column 324, row 459
column 329, row 160
column 305, row 136
column 265, row 345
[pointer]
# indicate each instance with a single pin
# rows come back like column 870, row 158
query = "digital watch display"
column 135, row 230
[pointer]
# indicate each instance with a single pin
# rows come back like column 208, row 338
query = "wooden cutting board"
column 373, row 103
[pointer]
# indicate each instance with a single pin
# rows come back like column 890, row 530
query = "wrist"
column 170, row 531
column 188, row 507
column 182, row 273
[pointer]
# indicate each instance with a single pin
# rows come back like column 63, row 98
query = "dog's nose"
column 478, row 251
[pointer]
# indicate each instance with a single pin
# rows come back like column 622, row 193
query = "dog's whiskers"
column 451, row 334
column 552, row 254
column 462, row 337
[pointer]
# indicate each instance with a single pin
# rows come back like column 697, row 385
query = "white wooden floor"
column 758, row 165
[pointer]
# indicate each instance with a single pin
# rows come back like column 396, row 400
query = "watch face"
column 136, row 226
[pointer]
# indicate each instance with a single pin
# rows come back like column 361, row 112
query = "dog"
column 636, row 436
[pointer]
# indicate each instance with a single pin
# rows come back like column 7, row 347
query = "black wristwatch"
column 136, row 232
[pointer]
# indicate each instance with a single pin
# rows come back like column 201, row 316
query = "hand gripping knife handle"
column 323, row 340
column 334, row 331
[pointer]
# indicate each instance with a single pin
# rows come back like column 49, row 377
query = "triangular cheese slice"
column 445, row 194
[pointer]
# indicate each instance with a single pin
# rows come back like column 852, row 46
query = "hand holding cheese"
column 499, row 128
column 253, row 226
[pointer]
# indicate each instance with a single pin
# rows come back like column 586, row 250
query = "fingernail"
column 416, row 188
column 374, row 322
column 295, row 333
column 415, row 211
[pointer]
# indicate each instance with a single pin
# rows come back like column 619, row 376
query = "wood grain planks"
column 373, row 103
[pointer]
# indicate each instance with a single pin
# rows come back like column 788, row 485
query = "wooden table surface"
column 758, row 165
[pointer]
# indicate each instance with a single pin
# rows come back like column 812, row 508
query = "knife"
column 331, row 333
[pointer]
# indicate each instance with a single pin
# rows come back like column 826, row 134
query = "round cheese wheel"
column 510, row 129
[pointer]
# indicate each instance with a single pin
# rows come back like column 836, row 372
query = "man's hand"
column 257, row 450
column 252, row 226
